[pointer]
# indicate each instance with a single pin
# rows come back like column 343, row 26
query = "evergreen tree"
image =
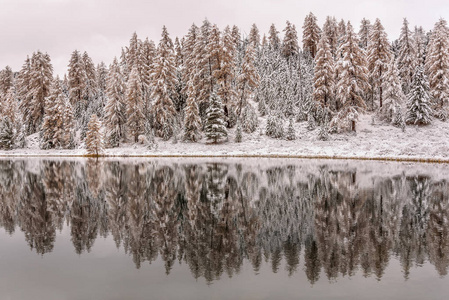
column 420, row 39
column 6, row 80
column 407, row 55
column 192, row 120
column 341, row 29
column 290, row 135
column 254, row 37
column 418, row 105
column 53, row 127
column 90, row 91
column 324, row 75
column 115, row 109
column 69, row 126
column 330, row 29
column 275, row 128
column 238, row 132
column 6, row 134
column 353, row 80
column 273, row 38
column 249, row 118
column 364, row 33
column 94, row 139
column 290, row 45
column 248, row 79
column 311, row 34
column 392, row 94
column 437, row 66
column 215, row 127
column 379, row 56
column 77, row 80
column 134, row 106
column 163, row 78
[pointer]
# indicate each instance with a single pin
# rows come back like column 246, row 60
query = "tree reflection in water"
column 214, row 216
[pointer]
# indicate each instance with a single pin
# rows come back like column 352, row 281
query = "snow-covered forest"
column 218, row 85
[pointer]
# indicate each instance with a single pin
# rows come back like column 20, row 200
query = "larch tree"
column 94, row 138
column 41, row 78
column 379, row 56
column 248, row 78
column 115, row 108
column 407, row 57
column 311, row 34
column 163, row 78
column 353, row 80
column 273, row 38
column 437, row 67
column 254, row 37
column 215, row 125
column 364, row 33
column 77, row 80
column 192, row 120
column 419, row 111
column 290, row 45
column 53, row 127
column 393, row 95
column 189, row 57
column 324, row 75
column 330, row 29
column 6, row 80
column 134, row 106
column 341, row 29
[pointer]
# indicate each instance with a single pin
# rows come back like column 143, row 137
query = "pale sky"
column 102, row 27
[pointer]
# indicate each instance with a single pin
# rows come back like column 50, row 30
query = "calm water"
column 254, row 229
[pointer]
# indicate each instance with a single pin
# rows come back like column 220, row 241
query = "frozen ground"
column 372, row 141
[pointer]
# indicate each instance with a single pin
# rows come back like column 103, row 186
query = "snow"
column 372, row 141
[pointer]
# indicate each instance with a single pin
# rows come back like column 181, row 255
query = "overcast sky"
column 102, row 27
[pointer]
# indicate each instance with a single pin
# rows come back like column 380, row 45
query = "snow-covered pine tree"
column 311, row 34
column 41, row 77
column 6, row 134
column 69, row 126
column 420, row 39
column 102, row 78
column 77, row 80
column 330, row 29
column 290, row 45
column 275, row 127
column 254, row 37
column 134, row 106
column 22, row 87
column 323, row 132
column 437, row 68
column 311, row 124
column 379, row 56
column 407, row 57
column 249, row 117
column 115, row 109
column 418, row 106
column 341, row 29
column 290, row 135
column 53, row 127
column 6, row 80
column 238, row 132
column 248, row 78
column 324, row 75
column 273, row 38
column 192, row 120
column 364, row 33
column 90, row 91
column 353, row 81
column 392, row 94
column 94, row 138
column 215, row 126
column 164, row 78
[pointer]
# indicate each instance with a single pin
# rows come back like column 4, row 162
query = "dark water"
column 257, row 229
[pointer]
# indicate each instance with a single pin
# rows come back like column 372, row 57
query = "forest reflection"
column 215, row 216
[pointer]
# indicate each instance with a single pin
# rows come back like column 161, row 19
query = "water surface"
column 223, row 229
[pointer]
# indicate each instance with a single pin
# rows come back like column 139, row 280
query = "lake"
column 223, row 229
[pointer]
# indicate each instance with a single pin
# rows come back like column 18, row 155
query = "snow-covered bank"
column 372, row 141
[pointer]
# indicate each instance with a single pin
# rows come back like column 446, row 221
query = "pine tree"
column 353, row 80
column 290, row 45
column 324, row 75
column 53, row 127
column 379, row 56
column 418, row 105
column 192, row 120
column 407, row 55
column 41, row 77
column 330, row 29
column 6, row 134
column 134, row 106
column 290, row 135
column 364, row 33
column 90, row 91
column 341, row 29
column 249, row 118
column 273, row 38
column 238, row 132
column 163, row 78
column 275, row 128
column 437, row 65
column 215, row 127
column 392, row 94
column 420, row 39
column 248, row 79
column 69, row 125
column 94, row 140
column 6, row 80
column 254, row 37
column 311, row 34
column 115, row 109
column 77, row 80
